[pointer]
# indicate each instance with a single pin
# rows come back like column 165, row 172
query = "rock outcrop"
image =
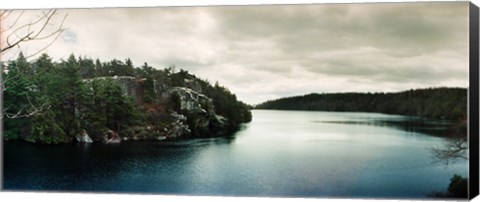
column 178, row 111
column 178, row 127
column 111, row 137
column 83, row 137
column 131, row 86
column 197, row 109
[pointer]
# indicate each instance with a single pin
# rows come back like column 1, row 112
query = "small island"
column 82, row 100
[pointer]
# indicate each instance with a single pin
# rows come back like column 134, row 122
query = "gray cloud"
column 266, row 52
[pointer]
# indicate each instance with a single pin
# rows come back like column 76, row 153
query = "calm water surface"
column 280, row 153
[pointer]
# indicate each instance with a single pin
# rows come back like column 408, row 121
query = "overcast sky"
column 267, row 52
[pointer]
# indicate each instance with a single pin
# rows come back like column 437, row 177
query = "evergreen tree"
column 87, row 68
column 105, row 107
column 19, row 97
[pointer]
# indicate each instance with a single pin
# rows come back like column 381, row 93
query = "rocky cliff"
column 131, row 86
column 179, row 111
column 197, row 109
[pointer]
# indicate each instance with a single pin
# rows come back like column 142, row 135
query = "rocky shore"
column 185, row 113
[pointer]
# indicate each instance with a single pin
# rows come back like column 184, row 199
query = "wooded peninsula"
column 83, row 100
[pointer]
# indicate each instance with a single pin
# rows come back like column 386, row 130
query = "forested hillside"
column 445, row 103
column 56, row 102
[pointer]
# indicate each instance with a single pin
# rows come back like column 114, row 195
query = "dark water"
column 280, row 153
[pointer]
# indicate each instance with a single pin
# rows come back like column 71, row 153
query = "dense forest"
column 440, row 103
column 54, row 102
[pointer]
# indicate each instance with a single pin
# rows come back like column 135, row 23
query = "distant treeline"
column 444, row 103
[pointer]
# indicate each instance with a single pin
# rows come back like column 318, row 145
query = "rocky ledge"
column 190, row 114
column 193, row 112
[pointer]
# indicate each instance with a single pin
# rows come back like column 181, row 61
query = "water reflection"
column 418, row 125
column 301, row 154
column 129, row 166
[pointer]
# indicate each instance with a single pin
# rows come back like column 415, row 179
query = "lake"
column 278, row 154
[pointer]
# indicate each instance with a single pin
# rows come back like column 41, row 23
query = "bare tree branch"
column 57, row 34
column 13, row 36
column 24, row 113
column 454, row 149
column 14, row 22
column 34, row 30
